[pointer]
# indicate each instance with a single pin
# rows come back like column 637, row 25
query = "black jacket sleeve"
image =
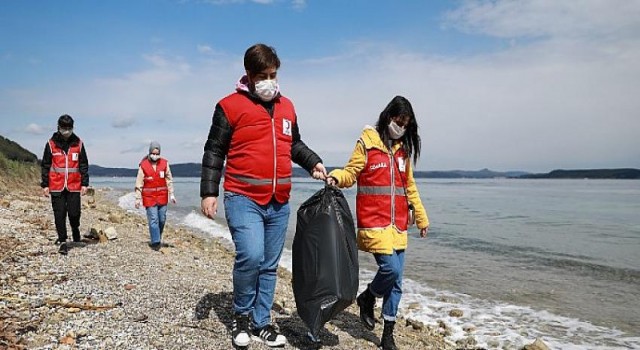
column 45, row 165
column 300, row 153
column 84, row 167
column 215, row 152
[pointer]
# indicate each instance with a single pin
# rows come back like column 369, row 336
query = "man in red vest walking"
column 65, row 176
column 256, row 130
column 154, row 188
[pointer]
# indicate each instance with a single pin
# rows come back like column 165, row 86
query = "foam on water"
column 128, row 202
column 492, row 324
column 508, row 325
column 206, row 225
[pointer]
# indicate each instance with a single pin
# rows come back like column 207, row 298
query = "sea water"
column 522, row 259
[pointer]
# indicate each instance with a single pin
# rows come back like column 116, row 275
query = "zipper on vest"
column 393, row 188
column 66, row 169
column 275, row 155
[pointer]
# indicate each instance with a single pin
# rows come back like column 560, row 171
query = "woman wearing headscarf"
column 154, row 189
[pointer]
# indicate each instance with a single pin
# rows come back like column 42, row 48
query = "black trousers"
column 66, row 203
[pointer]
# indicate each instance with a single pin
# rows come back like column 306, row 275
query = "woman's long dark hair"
column 401, row 107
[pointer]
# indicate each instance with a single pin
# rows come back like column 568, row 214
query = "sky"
column 529, row 85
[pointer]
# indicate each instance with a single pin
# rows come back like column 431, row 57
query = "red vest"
column 259, row 157
column 65, row 168
column 154, row 189
column 381, row 199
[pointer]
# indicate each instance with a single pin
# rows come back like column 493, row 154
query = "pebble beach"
column 112, row 291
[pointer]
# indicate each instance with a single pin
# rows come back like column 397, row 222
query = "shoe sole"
column 267, row 343
column 241, row 344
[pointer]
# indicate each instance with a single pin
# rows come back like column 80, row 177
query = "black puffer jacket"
column 64, row 145
column 217, row 146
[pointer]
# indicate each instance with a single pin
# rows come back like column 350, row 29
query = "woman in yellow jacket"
column 386, row 202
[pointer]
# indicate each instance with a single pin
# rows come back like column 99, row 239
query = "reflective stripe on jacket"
column 381, row 199
column 65, row 168
column 154, row 190
column 259, row 157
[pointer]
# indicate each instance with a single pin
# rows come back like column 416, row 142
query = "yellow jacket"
column 385, row 240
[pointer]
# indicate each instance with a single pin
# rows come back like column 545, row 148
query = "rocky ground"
column 120, row 294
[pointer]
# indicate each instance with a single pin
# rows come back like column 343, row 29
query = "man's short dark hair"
column 260, row 57
column 65, row 121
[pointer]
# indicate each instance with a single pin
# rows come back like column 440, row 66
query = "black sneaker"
column 240, row 330
column 269, row 335
column 155, row 246
column 64, row 249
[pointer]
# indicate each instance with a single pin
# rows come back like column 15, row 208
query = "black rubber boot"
column 387, row 342
column 366, row 301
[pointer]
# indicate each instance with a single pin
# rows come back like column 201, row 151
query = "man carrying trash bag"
column 324, row 259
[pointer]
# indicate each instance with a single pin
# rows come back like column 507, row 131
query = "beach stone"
column 413, row 306
column 115, row 218
column 493, row 343
column 5, row 204
column 536, row 345
column 467, row 342
column 416, row 325
column 456, row 313
column 111, row 233
column 67, row 340
column 468, row 328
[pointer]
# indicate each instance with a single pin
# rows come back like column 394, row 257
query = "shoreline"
column 121, row 294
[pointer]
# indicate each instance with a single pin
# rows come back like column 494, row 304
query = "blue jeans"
column 258, row 232
column 388, row 282
column 157, row 216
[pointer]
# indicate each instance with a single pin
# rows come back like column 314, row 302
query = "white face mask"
column 65, row 132
column 154, row 157
column 266, row 89
column 396, row 131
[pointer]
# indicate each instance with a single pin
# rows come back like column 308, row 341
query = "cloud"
column 136, row 148
column 194, row 144
column 546, row 18
column 122, row 123
column 299, row 4
column 35, row 129
column 205, row 49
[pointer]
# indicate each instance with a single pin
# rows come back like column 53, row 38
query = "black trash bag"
column 325, row 258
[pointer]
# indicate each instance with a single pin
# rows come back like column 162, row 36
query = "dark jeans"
column 66, row 203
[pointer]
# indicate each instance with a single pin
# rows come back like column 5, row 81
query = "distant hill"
column 468, row 174
column 623, row 173
column 193, row 170
column 96, row 170
column 18, row 167
column 14, row 151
